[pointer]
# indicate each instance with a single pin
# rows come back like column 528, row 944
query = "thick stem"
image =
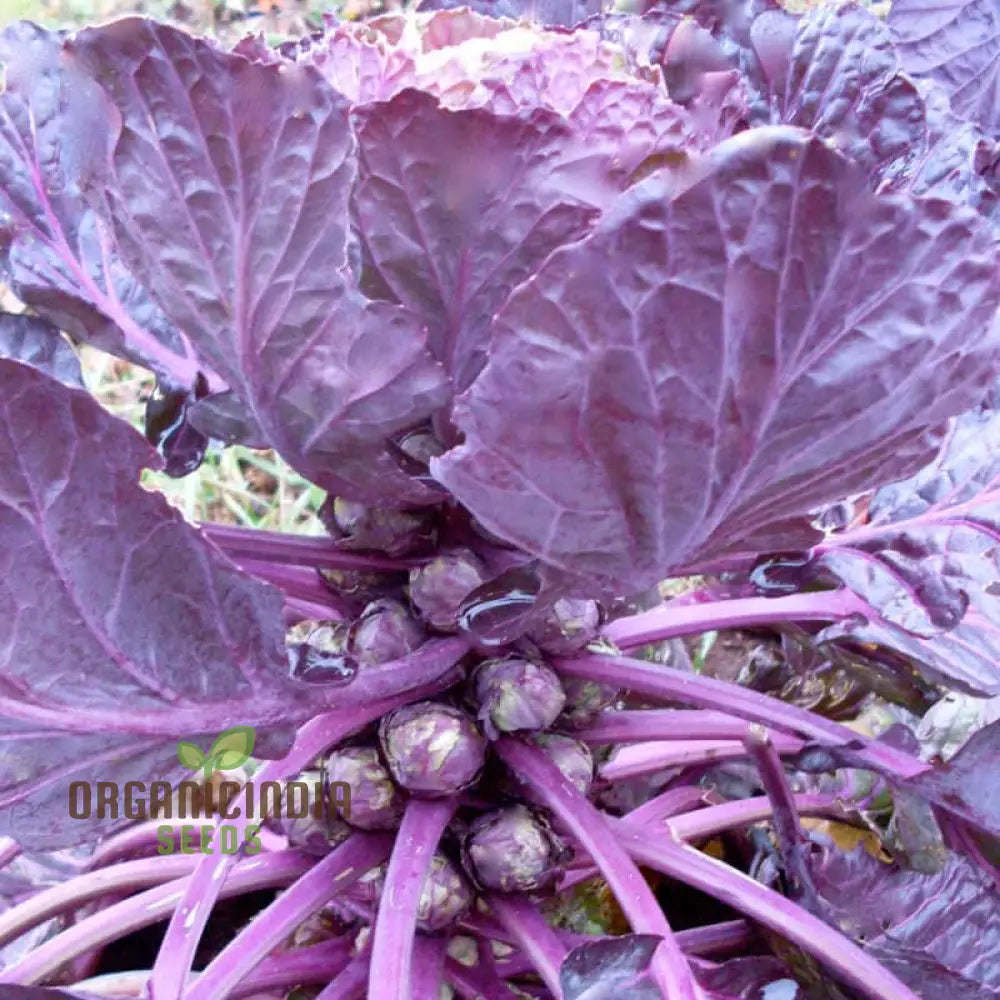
column 428, row 967
column 669, row 621
column 297, row 610
column 299, row 582
column 74, row 893
column 396, row 922
column 656, row 681
column 312, row 966
column 784, row 809
column 832, row 949
column 669, row 803
column 9, row 850
column 351, row 983
column 146, row 908
column 139, row 839
column 639, row 725
column 304, row 550
column 534, row 935
column 638, row 759
column 188, row 922
column 473, row 984
column 670, row 968
column 338, row 870
column 714, row 820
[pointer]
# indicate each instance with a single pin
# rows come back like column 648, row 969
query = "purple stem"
column 831, row 948
column 717, row 939
column 74, row 893
column 473, row 984
column 784, row 810
column 716, row 819
column 669, row 967
column 9, row 850
column 312, row 966
column 339, row 869
column 188, row 922
column 306, row 550
column 428, row 967
column 534, row 935
column 146, row 908
column 668, row 621
column 139, row 839
column 675, row 800
column 297, row 610
column 656, row 681
column 639, row 759
column 299, row 582
column 637, row 725
column 351, row 983
column 396, row 922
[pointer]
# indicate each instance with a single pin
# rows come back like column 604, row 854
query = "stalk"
column 396, row 923
column 832, row 949
column 784, row 810
column 638, row 759
column 74, row 893
column 351, row 983
column 638, row 725
column 669, row 803
column 188, row 922
column 428, row 967
column 305, row 550
column 271, row 926
column 533, row 934
column 669, row 967
column 146, row 908
column 664, row 684
column 311, row 966
column 668, row 621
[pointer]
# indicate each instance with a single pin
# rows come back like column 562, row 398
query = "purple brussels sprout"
column 445, row 897
column 439, row 588
column 317, row 653
column 307, row 822
column 375, row 801
column 432, row 750
column 516, row 694
column 572, row 757
column 357, row 526
column 513, row 850
column 385, row 631
column 568, row 627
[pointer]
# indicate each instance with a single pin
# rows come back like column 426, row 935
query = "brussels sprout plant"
column 647, row 360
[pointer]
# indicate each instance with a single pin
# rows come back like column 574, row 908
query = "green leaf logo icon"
column 232, row 748
column 190, row 756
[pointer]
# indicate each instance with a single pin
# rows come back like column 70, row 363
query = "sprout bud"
column 432, row 750
column 516, row 695
column 439, row 588
column 375, row 802
column 385, row 631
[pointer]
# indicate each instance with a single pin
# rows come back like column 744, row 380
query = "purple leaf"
column 451, row 236
column 610, row 968
column 957, row 43
column 749, row 979
column 60, row 259
column 841, row 79
column 927, row 561
column 550, row 13
column 966, row 785
column 940, row 934
column 228, row 194
column 34, row 342
column 707, row 366
column 120, row 638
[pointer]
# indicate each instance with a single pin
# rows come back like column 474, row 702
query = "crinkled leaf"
column 967, row 785
column 59, row 257
column 450, row 236
column 948, row 724
column 940, row 934
column 39, row 344
column 957, row 43
column 610, row 968
column 228, row 195
column 749, row 979
column 696, row 352
column 927, row 564
column 551, row 13
column 119, row 640
column 841, row 79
